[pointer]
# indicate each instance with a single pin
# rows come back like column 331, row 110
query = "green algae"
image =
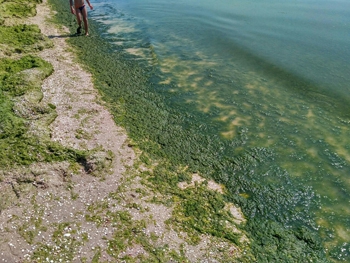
column 16, row 37
column 277, row 206
column 203, row 211
column 278, row 244
column 197, row 210
column 13, row 126
column 23, row 39
column 13, row 79
column 127, row 233
column 19, row 147
column 18, row 9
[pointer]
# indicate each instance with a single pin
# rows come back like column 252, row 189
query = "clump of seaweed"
column 18, row 8
column 23, row 38
column 16, row 37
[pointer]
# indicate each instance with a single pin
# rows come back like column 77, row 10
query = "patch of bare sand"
column 68, row 216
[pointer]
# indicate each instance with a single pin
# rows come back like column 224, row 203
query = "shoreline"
column 82, row 123
column 67, row 212
column 101, row 196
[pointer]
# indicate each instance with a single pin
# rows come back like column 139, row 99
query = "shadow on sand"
column 65, row 36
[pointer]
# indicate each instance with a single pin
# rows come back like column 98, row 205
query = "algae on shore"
column 24, row 118
column 36, row 176
column 197, row 217
column 169, row 140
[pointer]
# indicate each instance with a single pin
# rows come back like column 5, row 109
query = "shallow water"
column 275, row 71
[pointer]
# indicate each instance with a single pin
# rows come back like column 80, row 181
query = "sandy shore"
column 79, row 111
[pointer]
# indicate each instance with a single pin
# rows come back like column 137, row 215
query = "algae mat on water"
column 280, row 223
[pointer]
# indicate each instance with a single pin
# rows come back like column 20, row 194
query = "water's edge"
column 277, row 216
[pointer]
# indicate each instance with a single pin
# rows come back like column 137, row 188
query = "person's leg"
column 85, row 20
column 78, row 14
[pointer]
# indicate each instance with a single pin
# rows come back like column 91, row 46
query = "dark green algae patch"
column 280, row 223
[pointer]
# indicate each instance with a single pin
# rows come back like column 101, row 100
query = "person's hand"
column 72, row 10
column 91, row 7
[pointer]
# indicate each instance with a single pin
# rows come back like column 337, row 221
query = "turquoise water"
column 275, row 73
